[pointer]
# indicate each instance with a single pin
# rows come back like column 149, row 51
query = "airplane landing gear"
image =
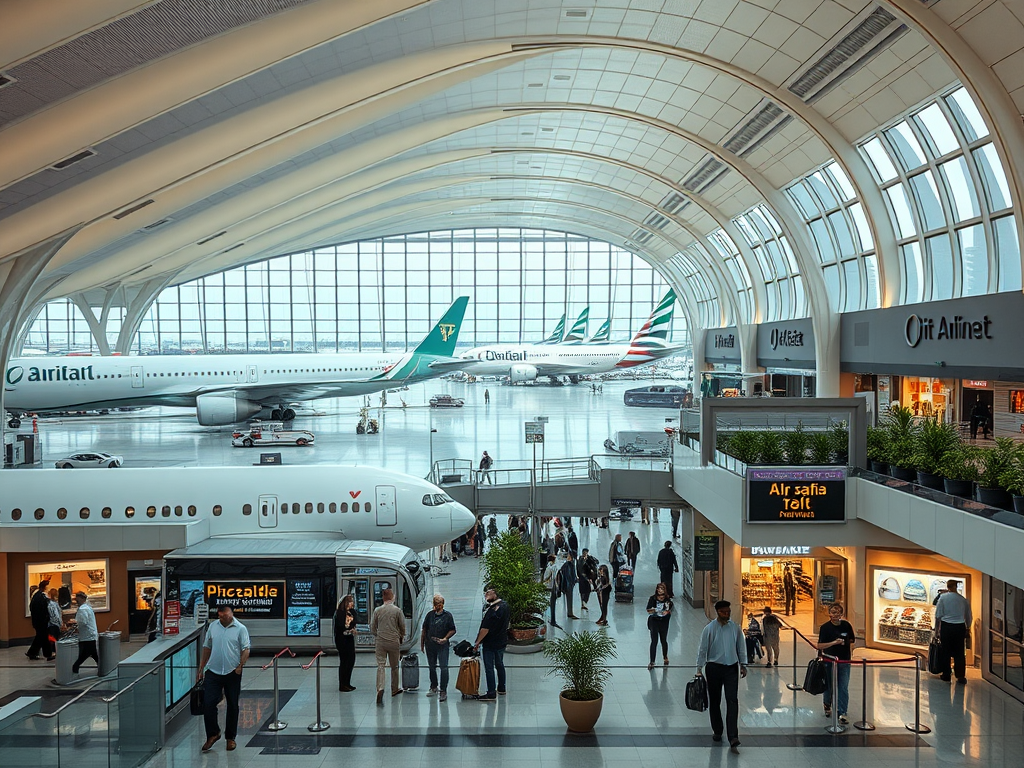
column 366, row 425
column 573, row 379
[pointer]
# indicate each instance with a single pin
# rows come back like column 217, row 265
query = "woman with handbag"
column 345, row 641
column 604, row 593
column 659, row 610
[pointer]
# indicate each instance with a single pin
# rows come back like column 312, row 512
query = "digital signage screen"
column 796, row 495
column 303, row 607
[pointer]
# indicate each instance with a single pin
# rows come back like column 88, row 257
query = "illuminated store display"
column 903, row 604
column 69, row 577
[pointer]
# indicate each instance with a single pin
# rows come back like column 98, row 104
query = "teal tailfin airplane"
column 556, row 335
column 603, row 334
column 578, row 332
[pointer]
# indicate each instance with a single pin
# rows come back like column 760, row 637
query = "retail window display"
column 68, row 578
column 903, row 604
column 762, row 582
column 927, row 397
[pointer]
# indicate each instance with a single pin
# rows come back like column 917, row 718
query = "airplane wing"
column 451, row 364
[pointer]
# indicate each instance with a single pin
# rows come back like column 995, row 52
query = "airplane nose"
column 462, row 518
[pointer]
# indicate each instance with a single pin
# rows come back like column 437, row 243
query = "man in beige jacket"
column 388, row 628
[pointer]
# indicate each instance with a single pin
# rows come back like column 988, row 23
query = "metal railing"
column 573, row 469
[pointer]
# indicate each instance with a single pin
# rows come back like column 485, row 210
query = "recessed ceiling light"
column 526, row 133
column 562, row 77
column 547, row 130
column 535, row 85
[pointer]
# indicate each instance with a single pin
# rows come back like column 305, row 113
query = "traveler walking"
column 438, row 630
column 572, row 541
column 659, row 612
column 603, row 587
column 153, row 625
column 586, row 570
column 85, row 619
column 632, row 550
column 953, row 621
column 56, row 621
column 225, row 652
column 345, row 641
column 837, row 637
column 487, row 397
column 549, row 580
column 567, row 583
column 789, row 589
column 722, row 653
column 486, row 462
column 770, row 628
column 387, row 625
column 493, row 635
column 39, row 610
column 676, row 515
column 616, row 555
column 667, row 565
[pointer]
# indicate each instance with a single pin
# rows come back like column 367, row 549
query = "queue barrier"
column 277, row 724
column 320, row 724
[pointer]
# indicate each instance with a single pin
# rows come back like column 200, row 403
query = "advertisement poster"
column 304, row 607
column 790, row 495
column 248, row 599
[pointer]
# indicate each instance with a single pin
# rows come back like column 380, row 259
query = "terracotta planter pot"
column 523, row 635
column 580, row 716
column 929, row 480
column 963, row 488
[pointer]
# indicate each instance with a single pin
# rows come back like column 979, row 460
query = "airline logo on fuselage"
column 16, row 373
column 446, row 329
column 510, row 356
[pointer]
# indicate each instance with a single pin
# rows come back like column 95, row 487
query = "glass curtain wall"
column 388, row 293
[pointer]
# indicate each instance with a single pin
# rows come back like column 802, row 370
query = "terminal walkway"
column 644, row 722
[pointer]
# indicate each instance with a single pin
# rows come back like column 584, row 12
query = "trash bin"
column 67, row 654
column 109, row 647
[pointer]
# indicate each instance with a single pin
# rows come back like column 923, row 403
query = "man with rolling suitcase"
column 493, row 636
column 438, row 630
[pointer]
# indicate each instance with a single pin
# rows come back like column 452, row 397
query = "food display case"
column 903, row 604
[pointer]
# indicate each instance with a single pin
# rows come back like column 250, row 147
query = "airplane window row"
column 106, row 513
column 320, row 507
column 322, row 370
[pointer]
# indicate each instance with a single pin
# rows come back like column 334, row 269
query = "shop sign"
column 705, row 552
column 534, row 432
column 255, row 599
column 976, row 384
column 779, row 551
column 626, row 502
column 172, row 616
column 792, row 495
column 725, row 341
column 918, row 329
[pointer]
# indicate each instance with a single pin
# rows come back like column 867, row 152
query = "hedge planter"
column 879, row 467
column 994, row 497
column 910, row 475
column 929, row 480
column 964, row 488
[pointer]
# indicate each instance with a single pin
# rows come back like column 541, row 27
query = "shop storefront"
column 1003, row 659
column 818, row 575
column 901, row 592
column 928, row 397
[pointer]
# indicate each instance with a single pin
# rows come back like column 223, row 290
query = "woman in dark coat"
column 659, row 610
column 345, row 641
column 604, row 593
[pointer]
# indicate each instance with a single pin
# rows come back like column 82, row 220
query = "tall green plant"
column 1012, row 478
column 961, row 463
column 508, row 566
column 745, row 447
column 581, row 660
column 839, row 440
column 933, row 441
column 769, row 448
column 820, row 448
column 794, row 445
column 901, row 433
column 995, row 461
column 877, row 442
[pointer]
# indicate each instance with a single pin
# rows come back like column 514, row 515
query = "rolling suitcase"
column 468, row 681
column 934, row 657
column 410, row 672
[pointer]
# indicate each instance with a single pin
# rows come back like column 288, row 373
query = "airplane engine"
column 216, row 409
column 522, row 373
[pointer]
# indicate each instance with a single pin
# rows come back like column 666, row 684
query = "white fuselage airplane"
column 344, row 502
column 224, row 389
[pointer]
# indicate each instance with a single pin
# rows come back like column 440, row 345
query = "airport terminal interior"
column 296, row 295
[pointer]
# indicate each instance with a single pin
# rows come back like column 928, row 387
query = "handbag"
column 197, row 699
column 815, row 677
column 697, row 694
column 463, row 649
column 934, row 653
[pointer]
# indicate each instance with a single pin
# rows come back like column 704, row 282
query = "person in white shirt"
column 225, row 652
column 953, row 621
column 722, row 654
column 85, row 619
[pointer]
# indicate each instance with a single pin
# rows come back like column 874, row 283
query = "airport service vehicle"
column 266, row 433
column 286, row 590
column 641, row 443
column 224, row 389
column 656, row 396
column 446, row 401
column 89, row 459
column 323, row 501
column 525, row 363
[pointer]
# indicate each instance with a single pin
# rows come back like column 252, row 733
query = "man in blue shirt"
column 722, row 654
column 225, row 652
column 85, row 620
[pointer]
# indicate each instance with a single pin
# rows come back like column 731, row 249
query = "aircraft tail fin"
column 603, row 333
column 578, row 332
column 649, row 344
column 556, row 335
column 440, row 342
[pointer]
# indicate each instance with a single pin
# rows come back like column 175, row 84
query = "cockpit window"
column 446, row 499
column 428, row 500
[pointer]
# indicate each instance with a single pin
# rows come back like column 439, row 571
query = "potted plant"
column 508, row 566
column 839, row 440
column 959, row 470
column 933, row 441
column 769, row 448
column 994, row 462
column 794, row 445
column 744, row 447
column 581, row 660
column 820, row 448
column 901, row 433
column 877, row 456
column 1012, row 480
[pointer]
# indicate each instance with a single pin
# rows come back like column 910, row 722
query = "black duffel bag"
column 935, row 656
column 464, row 649
column 197, row 699
column 697, row 694
column 814, row 679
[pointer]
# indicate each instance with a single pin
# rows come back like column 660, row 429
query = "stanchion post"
column 319, row 725
column 863, row 724
column 277, row 724
column 917, row 726
column 835, row 727
column 794, row 686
